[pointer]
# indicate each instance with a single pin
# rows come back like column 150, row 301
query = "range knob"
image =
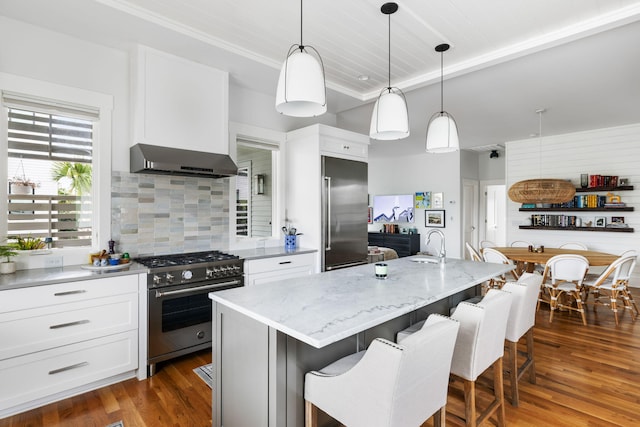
column 187, row 275
column 209, row 273
column 156, row 279
column 169, row 278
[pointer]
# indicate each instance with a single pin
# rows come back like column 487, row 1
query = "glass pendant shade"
column 542, row 191
column 442, row 134
column 390, row 118
column 301, row 88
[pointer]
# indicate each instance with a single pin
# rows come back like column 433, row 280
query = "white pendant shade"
column 390, row 118
column 442, row 134
column 301, row 89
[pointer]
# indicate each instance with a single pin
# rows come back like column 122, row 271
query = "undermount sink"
column 426, row 260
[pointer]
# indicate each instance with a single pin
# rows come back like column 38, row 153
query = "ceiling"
column 579, row 59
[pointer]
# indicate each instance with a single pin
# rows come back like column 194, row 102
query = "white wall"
column 427, row 172
column 611, row 151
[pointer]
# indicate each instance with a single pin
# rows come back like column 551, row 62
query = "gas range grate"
column 171, row 260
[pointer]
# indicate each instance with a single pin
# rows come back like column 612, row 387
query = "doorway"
column 493, row 210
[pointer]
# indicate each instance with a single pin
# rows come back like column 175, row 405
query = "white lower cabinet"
column 265, row 270
column 64, row 339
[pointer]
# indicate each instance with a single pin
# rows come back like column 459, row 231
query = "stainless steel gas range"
column 178, row 303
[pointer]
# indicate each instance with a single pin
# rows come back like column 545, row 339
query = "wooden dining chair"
column 497, row 257
column 520, row 244
column 563, row 277
column 474, row 255
column 574, row 245
column 487, row 244
column 614, row 283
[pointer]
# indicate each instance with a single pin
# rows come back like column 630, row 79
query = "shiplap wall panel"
column 611, row 151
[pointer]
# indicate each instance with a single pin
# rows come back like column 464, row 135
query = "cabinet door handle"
column 68, row 368
column 61, row 294
column 285, row 262
column 64, row 325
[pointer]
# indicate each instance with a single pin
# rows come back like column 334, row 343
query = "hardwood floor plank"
column 586, row 376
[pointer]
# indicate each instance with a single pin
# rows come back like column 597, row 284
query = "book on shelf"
column 615, row 205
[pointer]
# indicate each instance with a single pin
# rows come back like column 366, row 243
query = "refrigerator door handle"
column 327, row 182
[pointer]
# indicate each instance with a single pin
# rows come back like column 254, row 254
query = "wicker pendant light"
column 542, row 190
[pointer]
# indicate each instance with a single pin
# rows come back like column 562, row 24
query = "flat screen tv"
column 395, row 208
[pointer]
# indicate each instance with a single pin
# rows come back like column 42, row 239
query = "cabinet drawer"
column 60, row 293
column 28, row 331
column 344, row 149
column 279, row 263
column 41, row 374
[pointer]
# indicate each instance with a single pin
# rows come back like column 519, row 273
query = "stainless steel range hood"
column 146, row 158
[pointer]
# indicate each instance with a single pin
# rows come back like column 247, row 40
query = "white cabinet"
column 265, row 270
column 177, row 102
column 60, row 339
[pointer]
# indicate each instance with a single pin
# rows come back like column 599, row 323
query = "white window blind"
column 43, row 130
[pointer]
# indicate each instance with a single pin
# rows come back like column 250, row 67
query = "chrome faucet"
column 443, row 252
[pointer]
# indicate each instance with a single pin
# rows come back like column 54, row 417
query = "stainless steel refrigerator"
column 344, row 213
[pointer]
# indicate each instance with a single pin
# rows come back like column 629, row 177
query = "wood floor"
column 587, row 376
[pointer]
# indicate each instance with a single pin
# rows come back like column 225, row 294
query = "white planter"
column 7, row 267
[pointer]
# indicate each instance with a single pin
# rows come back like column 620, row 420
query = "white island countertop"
column 324, row 308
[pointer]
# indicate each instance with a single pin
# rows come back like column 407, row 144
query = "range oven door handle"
column 160, row 294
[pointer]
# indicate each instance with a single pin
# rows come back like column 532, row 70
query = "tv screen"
column 396, row 208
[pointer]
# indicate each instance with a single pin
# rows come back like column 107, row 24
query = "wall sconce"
column 258, row 184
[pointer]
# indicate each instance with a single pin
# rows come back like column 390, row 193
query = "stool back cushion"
column 482, row 333
column 524, row 294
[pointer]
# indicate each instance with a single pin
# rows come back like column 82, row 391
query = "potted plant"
column 22, row 185
column 28, row 243
column 8, row 266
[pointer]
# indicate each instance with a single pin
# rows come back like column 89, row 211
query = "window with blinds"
column 50, row 155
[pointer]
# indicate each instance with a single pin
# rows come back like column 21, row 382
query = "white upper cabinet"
column 179, row 103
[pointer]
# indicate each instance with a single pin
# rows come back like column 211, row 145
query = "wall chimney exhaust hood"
column 155, row 159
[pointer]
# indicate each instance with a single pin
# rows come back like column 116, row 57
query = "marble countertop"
column 269, row 252
column 324, row 308
column 48, row 276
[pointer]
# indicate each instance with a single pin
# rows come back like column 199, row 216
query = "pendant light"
column 390, row 118
column 541, row 190
column 301, row 87
column 442, row 131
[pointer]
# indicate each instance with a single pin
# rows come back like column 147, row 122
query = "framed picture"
column 423, row 200
column 434, row 218
column 370, row 217
column 617, row 220
column 600, row 221
column 437, row 201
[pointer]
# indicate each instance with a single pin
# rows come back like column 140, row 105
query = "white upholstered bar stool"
column 388, row 384
column 522, row 318
column 480, row 345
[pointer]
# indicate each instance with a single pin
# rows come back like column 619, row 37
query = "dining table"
column 526, row 260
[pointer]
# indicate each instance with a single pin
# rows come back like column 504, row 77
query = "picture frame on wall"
column 600, row 221
column 434, row 218
column 437, row 200
column 370, row 217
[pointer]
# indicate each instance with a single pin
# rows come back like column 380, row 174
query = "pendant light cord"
column 389, row 62
column 301, row 44
column 441, row 82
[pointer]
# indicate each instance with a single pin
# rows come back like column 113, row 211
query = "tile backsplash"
column 158, row 214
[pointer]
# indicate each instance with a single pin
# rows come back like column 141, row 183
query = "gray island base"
column 266, row 337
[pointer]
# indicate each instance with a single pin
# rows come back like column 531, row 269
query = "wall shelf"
column 620, row 209
column 609, row 229
column 594, row 189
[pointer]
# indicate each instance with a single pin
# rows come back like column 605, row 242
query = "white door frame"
column 474, row 208
column 483, row 206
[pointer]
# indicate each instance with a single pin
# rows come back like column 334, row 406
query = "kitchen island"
column 267, row 337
